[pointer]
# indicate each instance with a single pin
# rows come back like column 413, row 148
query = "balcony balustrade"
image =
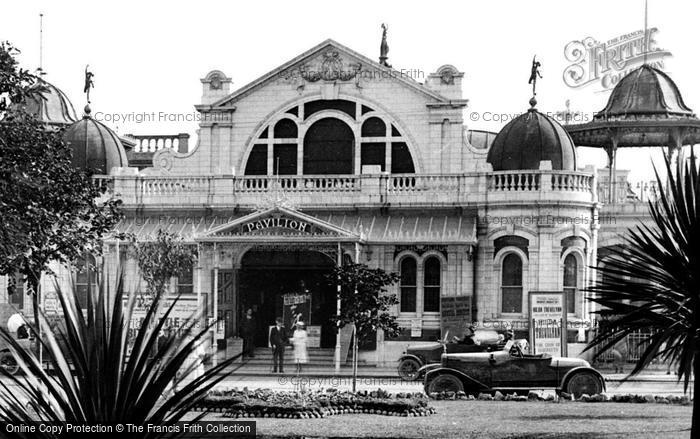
column 356, row 190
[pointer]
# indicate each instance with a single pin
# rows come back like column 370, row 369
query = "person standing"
column 300, row 341
column 248, row 328
column 278, row 339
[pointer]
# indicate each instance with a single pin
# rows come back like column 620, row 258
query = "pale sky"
column 150, row 56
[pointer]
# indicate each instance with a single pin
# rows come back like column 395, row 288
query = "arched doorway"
column 266, row 276
column 329, row 147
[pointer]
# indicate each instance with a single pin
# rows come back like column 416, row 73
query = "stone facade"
column 453, row 212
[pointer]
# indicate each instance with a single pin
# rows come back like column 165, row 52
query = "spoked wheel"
column 445, row 383
column 8, row 362
column 584, row 383
column 408, row 369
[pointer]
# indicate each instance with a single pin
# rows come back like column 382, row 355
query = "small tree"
column 162, row 259
column 364, row 304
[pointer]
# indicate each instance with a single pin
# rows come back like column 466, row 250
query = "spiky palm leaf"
column 94, row 378
column 652, row 281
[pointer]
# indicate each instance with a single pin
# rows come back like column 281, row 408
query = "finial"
column 41, row 45
column 384, row 47
column 533, row 103
column 534, row 73
column 88, row 83
column 87, row 110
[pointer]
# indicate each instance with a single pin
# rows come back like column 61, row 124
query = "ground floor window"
column 512, row 284
column 408, row 284
column 15, row 290
column 431, row 285
column 570, row 282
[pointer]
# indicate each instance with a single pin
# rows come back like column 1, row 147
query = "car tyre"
column 581, row 383
column 445, row 383
column 8, row 362
column 408, row 369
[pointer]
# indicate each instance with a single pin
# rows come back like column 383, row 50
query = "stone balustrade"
column 356, row 190
column 152, row 143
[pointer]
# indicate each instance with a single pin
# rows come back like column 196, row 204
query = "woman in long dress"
column 299, row 340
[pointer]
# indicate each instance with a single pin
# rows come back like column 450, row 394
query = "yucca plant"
column 652, row 281
column 101, row 375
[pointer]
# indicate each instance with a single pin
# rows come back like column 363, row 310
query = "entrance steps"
column 322, row 357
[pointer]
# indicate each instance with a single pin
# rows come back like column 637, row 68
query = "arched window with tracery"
column 328, row 142
column 408, row 274
column 512, row 284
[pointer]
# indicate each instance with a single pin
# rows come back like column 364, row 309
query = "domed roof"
column 94, row 145
column 51, row 106
column 529, row 139
column 645, row 92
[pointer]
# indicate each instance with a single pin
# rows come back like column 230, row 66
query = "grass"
column 505, row 419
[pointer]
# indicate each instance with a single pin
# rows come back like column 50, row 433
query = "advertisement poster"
column 548, row 317
column 186, row 308
column 296, row 307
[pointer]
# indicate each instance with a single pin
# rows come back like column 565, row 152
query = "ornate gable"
column 332, row 62
column 279, row 223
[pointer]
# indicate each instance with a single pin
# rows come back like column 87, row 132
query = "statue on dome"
column 534, row 73
column 384, row 47
column 88, row 82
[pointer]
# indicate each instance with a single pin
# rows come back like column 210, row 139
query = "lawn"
column 502, row 419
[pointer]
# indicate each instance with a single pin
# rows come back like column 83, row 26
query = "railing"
column 153, row 143
column 395, row 189
column 624, row 192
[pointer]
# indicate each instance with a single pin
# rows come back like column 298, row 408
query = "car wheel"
column 8, row 362
column 408, row 369
column 445, row 383
column 583, row 383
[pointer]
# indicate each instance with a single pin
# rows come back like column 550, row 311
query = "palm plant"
column 100, row 374
column 652, row 282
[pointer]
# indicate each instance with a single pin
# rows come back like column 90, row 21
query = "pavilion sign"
column 607, row 62
column 276, row 223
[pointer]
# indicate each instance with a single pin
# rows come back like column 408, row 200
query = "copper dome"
column 51, row 106
column 95, row 146
column 529, row 139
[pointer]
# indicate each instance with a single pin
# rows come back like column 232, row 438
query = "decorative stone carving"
column 331, row 68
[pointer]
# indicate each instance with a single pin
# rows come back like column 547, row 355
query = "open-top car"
column 511, row 371
column 417, row 356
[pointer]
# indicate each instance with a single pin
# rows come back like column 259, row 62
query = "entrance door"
column 226, row 299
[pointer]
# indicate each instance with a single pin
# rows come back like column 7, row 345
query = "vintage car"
column 417, row 356
column 511, row 371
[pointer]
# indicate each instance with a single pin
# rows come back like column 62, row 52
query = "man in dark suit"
column 278, row 339
column 248, row 327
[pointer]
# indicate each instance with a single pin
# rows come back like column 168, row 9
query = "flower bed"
column 265, row 403
column 564, row 397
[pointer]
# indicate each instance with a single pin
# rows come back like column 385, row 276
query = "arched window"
column 329, row 147
column 85, row 275
column 431, row 285
column 570, row 282
column 373, row 127
column 408, row 284
column 512, row 284
column 285, row 129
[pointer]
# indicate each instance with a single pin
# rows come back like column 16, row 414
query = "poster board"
column 455, row 314
column 548, row 322
column 296, row 307
column 186, row 308
column 313, row 336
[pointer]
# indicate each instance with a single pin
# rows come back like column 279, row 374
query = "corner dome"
column 529, row 139
column 51, row 106
column 643, row 93
column 95, row 146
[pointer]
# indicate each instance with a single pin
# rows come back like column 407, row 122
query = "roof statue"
column 88, row 83
column 384, row 47
column 534, row 73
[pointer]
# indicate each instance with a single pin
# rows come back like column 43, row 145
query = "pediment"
column 329, row 62
column 278, row 223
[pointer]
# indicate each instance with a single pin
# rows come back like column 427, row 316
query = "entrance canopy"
column 283, row 225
